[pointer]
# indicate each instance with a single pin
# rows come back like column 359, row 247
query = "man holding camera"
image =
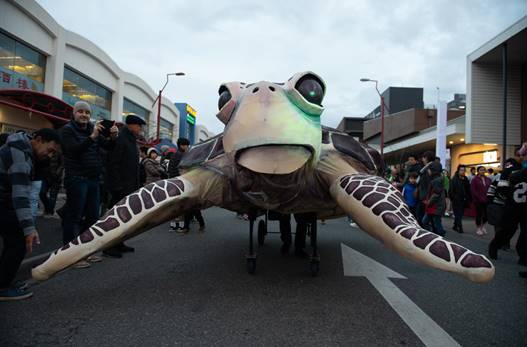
column 123, row 170
column 82, row 141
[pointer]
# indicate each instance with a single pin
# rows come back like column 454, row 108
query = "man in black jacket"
column 81, row 142
column 460, row 196
column 123, row 170
column 423, row 185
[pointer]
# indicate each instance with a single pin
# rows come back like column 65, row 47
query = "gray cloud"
column 403, row 43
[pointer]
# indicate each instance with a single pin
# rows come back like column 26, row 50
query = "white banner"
column 441, row 132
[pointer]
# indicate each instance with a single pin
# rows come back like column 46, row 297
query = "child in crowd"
column 409, row 191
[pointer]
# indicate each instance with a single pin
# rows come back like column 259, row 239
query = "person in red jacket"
column 478, row 188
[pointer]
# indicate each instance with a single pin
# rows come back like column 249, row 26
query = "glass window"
column 77, row 87
column 130, row 107
column 20, row 66
column 166, row 129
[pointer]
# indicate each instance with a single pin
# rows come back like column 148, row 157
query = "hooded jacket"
column 436, row 190
column 16, row 171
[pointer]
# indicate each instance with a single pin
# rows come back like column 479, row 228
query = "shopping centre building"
column 44, row 69
column 474, row 131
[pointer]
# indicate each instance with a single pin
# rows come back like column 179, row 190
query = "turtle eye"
column 225, row 96
column 311, row 89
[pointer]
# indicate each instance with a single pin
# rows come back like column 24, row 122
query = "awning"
column 55, row 110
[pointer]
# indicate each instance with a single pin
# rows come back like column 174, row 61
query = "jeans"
column 13, row 251
column 82, row 205
column 481, row 213
column 51, row 200
column 437, row 227
column 193, row 213
column 420, row 212
column 300, row 233
column 458, row 207
column 33, row 197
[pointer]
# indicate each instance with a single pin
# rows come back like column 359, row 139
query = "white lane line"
column 428, row 331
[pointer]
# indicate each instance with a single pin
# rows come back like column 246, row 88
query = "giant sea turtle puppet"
column 275, row 155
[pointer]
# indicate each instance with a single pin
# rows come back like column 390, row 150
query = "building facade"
column 38, row 54
column 202, row 134
column 187, row 121
column 496, row 71
column 397, row 99
column 497, row 77
column 352, row 126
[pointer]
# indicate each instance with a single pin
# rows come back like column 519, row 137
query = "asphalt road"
column 194, row 290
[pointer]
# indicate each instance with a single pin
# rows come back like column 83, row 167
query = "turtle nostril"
column 271, row 88
column 255, row 90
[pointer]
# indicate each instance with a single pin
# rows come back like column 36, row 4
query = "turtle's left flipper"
column 140, row 211
column 379, row 209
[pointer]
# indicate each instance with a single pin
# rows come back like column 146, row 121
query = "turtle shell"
column 346, row 144
column 203, row 151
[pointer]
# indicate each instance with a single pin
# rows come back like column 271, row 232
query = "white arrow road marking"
column 428, row 331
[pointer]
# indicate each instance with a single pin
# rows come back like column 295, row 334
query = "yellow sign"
column 191, row 111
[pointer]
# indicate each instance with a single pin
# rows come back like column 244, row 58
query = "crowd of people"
column 96, row 163
column 498, row 199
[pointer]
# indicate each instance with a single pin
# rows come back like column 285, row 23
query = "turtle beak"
column 274, row 159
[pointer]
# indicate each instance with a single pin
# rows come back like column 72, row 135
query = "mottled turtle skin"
column 275, row 155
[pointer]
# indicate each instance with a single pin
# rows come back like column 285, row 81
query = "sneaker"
column 94, row 259
column 484, row 231
column 353, row 225
column 22, row 285
column 479, row 233
column 13, row 294
column 82, row 264
column 182, row 231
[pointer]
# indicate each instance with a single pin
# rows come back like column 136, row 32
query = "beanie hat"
column 150, row 150
column 81, row 105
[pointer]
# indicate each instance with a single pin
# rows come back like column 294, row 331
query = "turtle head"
column 273, row 128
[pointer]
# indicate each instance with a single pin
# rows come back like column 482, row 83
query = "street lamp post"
column 382, row 111
column 159, row 103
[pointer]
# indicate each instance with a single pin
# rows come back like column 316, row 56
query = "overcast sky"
column 400, row 43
